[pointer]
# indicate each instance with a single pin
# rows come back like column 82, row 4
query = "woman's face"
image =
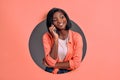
column 59, row 20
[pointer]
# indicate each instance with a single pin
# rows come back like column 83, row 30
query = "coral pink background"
column 99, row 20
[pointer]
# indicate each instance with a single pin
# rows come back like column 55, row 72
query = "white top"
column 62, row 48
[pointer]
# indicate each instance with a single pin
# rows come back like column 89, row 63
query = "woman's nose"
column 59, row 20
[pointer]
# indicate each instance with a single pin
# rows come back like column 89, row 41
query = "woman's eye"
column 62, row 16
column 54, row 20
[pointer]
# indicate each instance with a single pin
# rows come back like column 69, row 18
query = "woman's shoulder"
column 74, row 33
column 47, row 35
column 75, row 36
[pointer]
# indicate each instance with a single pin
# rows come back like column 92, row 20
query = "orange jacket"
column 74, row 54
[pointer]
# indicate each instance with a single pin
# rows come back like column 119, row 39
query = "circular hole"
column 36, row 45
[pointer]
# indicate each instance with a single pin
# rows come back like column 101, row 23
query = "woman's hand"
column 52, row 31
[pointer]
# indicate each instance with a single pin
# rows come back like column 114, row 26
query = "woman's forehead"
column 58, row 13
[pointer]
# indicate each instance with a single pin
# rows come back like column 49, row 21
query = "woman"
column 63, row 47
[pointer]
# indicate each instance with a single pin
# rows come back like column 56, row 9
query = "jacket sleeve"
column 47, row 48
column 77, row 55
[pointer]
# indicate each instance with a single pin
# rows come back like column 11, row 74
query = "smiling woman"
column 62, row 47
column 57, row 44
column 36, row 42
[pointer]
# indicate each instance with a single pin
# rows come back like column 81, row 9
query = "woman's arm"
column 54, row 50
column 62, row 65
column 51, row 49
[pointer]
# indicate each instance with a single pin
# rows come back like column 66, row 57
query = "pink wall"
column 99, row 20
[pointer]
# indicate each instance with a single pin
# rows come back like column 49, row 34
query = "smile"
column 61, row 24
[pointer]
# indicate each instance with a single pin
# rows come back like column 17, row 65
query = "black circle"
column 36, row 46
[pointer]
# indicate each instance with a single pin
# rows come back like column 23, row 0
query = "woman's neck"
column 63, row 34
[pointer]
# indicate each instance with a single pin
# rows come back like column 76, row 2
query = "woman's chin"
column 61, row 27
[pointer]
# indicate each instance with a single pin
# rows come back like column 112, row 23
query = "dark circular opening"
column 36, row 45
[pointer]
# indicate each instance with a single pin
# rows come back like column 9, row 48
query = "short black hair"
column 50, row 14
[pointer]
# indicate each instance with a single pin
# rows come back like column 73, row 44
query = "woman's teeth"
column 61, row 24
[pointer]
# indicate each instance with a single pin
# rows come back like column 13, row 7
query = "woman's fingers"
column 51, row 28
column 52, row 31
